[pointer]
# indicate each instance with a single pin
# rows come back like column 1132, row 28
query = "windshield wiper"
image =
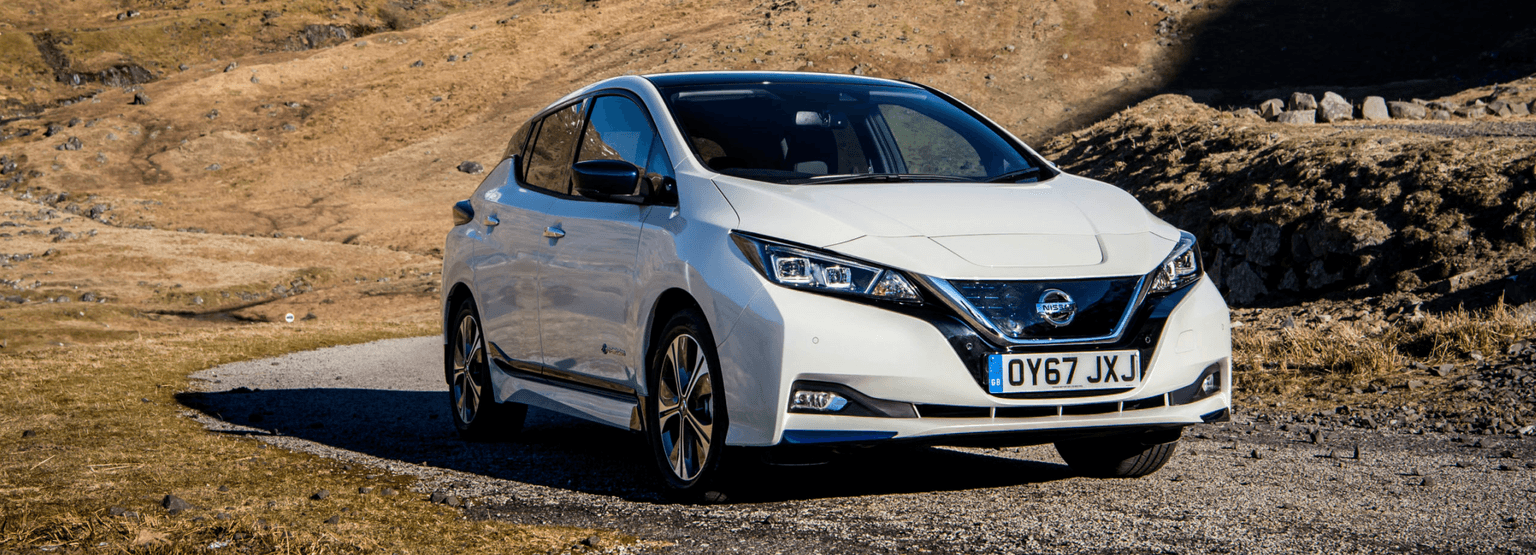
column 1014, row 175
column 881, row 177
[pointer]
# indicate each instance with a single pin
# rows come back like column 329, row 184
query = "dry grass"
column 106, row 431
column 1304, row 360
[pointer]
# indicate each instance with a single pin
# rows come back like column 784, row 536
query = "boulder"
column 1500, row 108
column 1375, row 109
column 1271, row 108
column 1439, row 114
column 1301, row 101
column 1335, row 109
column 1244, row 285
column 1519, row 109
column 1407, row 110
column 1246, row 113
column 1472, row 112
column 1298, row 117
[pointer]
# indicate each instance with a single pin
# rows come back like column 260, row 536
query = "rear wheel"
column 685, row 417
column 1119, row 456
column 472, row 400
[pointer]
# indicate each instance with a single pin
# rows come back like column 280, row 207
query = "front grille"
column 1011, row 306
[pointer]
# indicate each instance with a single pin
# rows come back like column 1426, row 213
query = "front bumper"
column 930, row 362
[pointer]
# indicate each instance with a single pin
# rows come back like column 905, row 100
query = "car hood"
column 1065, row 227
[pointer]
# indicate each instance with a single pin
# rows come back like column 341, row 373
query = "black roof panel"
column 740, row 77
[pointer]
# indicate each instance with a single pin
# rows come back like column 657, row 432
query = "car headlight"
column 1181, row 268
column 799, row 267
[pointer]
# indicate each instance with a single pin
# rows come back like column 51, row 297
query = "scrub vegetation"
column 93, row 431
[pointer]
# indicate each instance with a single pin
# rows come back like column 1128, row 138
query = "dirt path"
column 1256, row 485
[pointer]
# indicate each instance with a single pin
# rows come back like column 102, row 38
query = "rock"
column 365, row 490
column 333, row 520
column 1375, row 109
column 471, row 167
column 221, row 488
column 231, row 67
column 1427, row 482
column 1255, row 454
column 1500, row 108
column 320, row 495
column 453, row 57
column 1301, row 102
column 1472, row 112
column 452, row 500
column 223, row 516
column 28, row 433
column 1298, row 117
column 1271, row 108
column 1246, row 113
column 255, row 80
column 1244, row 285
column 1442, row 370
column 437, row 497
column 117, row 511
column 1439, row 114
column 183, row 67
column 389, row 492
column 289, row 127
column 140, row 99
column 213, row 167
column 418, row 63
column 1519, row 109
column 73, row 143
column 1415, row 384
column 175, row 504
column 1335, row 109
column 52, row 129
column 1407, row 110
column 594, row 542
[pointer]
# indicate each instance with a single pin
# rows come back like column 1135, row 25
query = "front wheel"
column 1119, row 456
column 476, row 414
column 685, row 418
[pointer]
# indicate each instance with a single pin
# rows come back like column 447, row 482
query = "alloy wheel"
column 685, row 411
column 468, row 351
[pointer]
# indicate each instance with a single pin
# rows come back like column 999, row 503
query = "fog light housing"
column 817, row 401
column 1211, row 384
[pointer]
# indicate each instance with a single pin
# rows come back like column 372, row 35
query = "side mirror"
column 605, row 179
column 463, row 213
column 663, row 190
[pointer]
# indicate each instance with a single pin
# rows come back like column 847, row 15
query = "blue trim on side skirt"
column 833, row 436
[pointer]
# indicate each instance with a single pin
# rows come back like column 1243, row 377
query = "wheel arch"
column 669, row 302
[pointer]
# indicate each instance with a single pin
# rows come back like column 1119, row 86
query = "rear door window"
column 549, row 159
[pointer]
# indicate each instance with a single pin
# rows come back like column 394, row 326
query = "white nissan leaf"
column 767, row 259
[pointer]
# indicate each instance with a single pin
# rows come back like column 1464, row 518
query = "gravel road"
column 1255, row 485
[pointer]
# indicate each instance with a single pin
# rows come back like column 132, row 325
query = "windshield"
column 822, row 133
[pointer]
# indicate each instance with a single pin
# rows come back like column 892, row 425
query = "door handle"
column 554, row 232
column 491, row 220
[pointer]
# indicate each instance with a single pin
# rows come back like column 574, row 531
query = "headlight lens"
column 804, row 268
column 1180, row 268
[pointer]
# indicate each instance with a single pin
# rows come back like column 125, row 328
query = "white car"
column 765, row 259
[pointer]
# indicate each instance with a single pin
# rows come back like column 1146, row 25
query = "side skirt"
column 560, row 391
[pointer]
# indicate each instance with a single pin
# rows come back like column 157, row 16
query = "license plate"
column 1063, row 371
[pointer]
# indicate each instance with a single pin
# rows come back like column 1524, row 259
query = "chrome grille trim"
column 951, row 297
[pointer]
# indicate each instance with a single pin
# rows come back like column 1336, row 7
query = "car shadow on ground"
column 562, row 452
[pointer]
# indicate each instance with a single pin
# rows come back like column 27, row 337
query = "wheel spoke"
column 675, row 454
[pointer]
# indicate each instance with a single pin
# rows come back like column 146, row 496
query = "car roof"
column 743, row 77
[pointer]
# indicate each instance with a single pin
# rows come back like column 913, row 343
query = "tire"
column 471, row 398
column 685, row 418
column 1120, row 456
